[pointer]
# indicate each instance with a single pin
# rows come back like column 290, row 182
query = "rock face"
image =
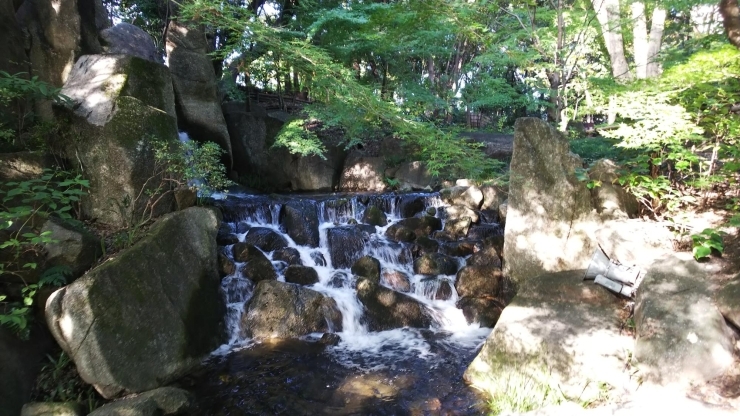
column 728, row 301
column 253, row 133
column 388, row 309
column 346, row 245
column 127, row 39
column 161, row 401
column 13, row 58
column 74, row 247
column 195, row 84
column 285, row 310
column 363, row 173
column 610, row 199
column 549, row 218
column 413, row 176
column 681, row 336
column 149, row 315
column 560, row 332
column 121, row 101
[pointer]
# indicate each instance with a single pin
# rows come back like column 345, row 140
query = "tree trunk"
column 607, row 12
column 639, row 39
column 731, row 19
column 656, row 38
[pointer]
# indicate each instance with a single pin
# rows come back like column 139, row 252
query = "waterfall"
column 436, row 293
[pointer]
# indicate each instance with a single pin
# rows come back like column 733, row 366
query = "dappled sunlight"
column 97, row 81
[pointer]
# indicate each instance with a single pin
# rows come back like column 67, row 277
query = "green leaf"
column 701, row 251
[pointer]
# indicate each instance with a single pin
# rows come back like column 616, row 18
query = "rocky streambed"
column 379, row 302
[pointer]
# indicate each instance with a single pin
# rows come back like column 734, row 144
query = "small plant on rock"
column 705, row 241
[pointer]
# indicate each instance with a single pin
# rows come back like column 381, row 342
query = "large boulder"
column 301, row 221
column 550, row 220
column 265, row 238
column 195, row 84
column 161, row 401
column 436, row 264
column 387, row 309
column 363, row 173
column 149, row 315
column 127, row 39
column 346, row 245
column 610, row 199
column 301, row 275
column 374, row 216
column 559, row 333
column 478, row 281
column 23, row 166
column 73, row 246
column 728, row 301
column 258, row 266
column 467, row 196
column 121, row 102
column 493, row 197
column 413, row 176
column 367, row 267
column 285, row 310
column 681, row 336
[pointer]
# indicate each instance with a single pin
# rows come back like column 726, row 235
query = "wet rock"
column 162, row 401
column 185, row 197
column 728, row 301
column 301, row 222
column 284, row 310
column 488, row 216
column 478, row 281
column 289, row 255
column 150, row 314
column 52, row 409
column 127, row 39
column 318, row 259
column 340, row 279
column 485, row 311
column 301, row 275
column 443, row 289
column 374, row 216
column 227, row 239
column 387, row 309
column 431, row 211
column 435, row 264
column 411, row 207
column 73, row 246
column 226, row 266
column 488, row 256
column 550, row 220
column 527, row 339
column 681, row 336
column 397, row 280
column 400, row 234
column 242, row 227
column 266, row 239
column 330, row 339
column 425, row 244
column 258, row 266
column 367, row 267
column 458, row 248
column 346, row 245
column 468, row 196
column 481, row 232
column 459, row 212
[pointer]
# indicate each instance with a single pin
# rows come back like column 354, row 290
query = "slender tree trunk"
column 639, row 39
column 607, row 12
column 656, row 38
column 731, row 19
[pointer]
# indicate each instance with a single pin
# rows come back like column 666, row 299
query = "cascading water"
column 358, row 348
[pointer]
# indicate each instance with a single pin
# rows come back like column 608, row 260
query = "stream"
column 414, row 371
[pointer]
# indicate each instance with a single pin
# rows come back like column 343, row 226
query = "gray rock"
column 414, row 175
column 301, row 275
column 127, row 39
column 559, row 332
column 503, row 209
column 20, row 363
column 52, row 409
column 363, row 173
column 458, row 227
column 185, row 197
column 387, row 309
column 421, row 226
column 258, row 266
column 484, row 231
column 458, row 212
column 226, row 267
column 285, row 310
column 73, row 246
column 468, row 196
column 484, row 311
column 461, row 248
column 161, row 401
column 195, row 85
column 121, row 102
column 681, row 336
column 487, row 256
column 301, row 222
column 374, row 216
column 493, row 196
column 22, row 166
column 396, row 280
column 728, row 301
column 149, row 315
column 610, row 199
column 289, row 255
column 550, row 220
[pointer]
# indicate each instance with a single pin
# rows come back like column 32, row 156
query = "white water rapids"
column 359, row 347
